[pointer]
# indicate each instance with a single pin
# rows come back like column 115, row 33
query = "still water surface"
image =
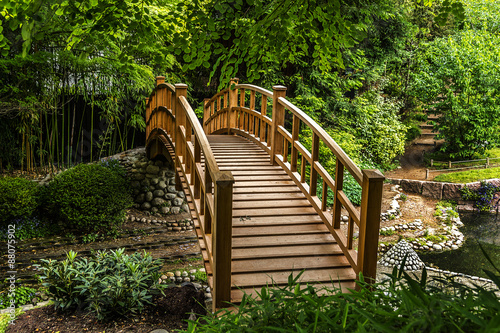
column 478, row 229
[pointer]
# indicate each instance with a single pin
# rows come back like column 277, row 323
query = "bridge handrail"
column 229, row 113
column 210, row 188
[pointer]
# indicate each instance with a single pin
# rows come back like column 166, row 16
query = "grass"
column 468, row 176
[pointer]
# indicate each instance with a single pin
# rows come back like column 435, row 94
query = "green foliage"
column 482, row 15
column 483, row 197
column 254, row 35
column 23, row 295
column 399, row 304
column 18, row 201
column 108, row 284
column 436, row 238
column 379, row 127
column 458, row 78
column 88, row 197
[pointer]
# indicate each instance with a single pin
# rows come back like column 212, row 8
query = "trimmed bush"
column 107, row 284
column 88, row 197
column 17, row 200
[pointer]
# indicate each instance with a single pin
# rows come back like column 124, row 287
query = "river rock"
column 158, row 193
column 152, row 169
column 177, row 202
column 157, row 202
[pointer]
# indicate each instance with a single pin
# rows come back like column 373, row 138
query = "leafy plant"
column 107, row 284
column 401, row 303
column 403, row 197
column 18, row 200
column 88, row 197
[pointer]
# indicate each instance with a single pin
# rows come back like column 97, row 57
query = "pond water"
column 478, row 229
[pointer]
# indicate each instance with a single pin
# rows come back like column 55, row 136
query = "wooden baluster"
column 148, row 114
column 278, row 120
column 252, row 108
column 242, row 114
column 207, row 227
column 339, row 182
column 313, row 185
column 324, row 196
column 222, row 239
column 161, row 101
column 228, row 112
column 233, row 102
column 206, row 115
column 180, row 120
column 350, row 232
column 170, row 122
column 285, row 151
column 371, row 203
column 153, row 107
column 295, row 137
column 188, row 157
column 263, row 125
column 303, row 169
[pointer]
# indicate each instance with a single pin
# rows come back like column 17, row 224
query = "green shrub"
column 399, row 304
column 18, row 200
column 107, row 284
column 89, row 197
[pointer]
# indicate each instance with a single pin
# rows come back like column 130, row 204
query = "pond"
column 478, row 229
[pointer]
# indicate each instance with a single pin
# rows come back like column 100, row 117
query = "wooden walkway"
column 257, row 191
column 276, row 231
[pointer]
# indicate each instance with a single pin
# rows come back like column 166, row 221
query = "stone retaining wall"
column 153, row 183
column 437, row 190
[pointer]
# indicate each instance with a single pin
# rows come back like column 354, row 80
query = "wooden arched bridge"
column 252, row 187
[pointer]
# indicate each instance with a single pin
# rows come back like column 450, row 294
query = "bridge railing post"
column 222, row 238
column 160, row 101
column 233, row 102
column 206, row 114
column 371, row 203
column 278, row 117
column 148, row 113
column 180, row 120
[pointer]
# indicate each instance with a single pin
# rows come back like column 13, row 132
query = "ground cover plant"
column 401, row 303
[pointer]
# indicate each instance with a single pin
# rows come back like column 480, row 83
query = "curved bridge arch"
column 252, row 187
